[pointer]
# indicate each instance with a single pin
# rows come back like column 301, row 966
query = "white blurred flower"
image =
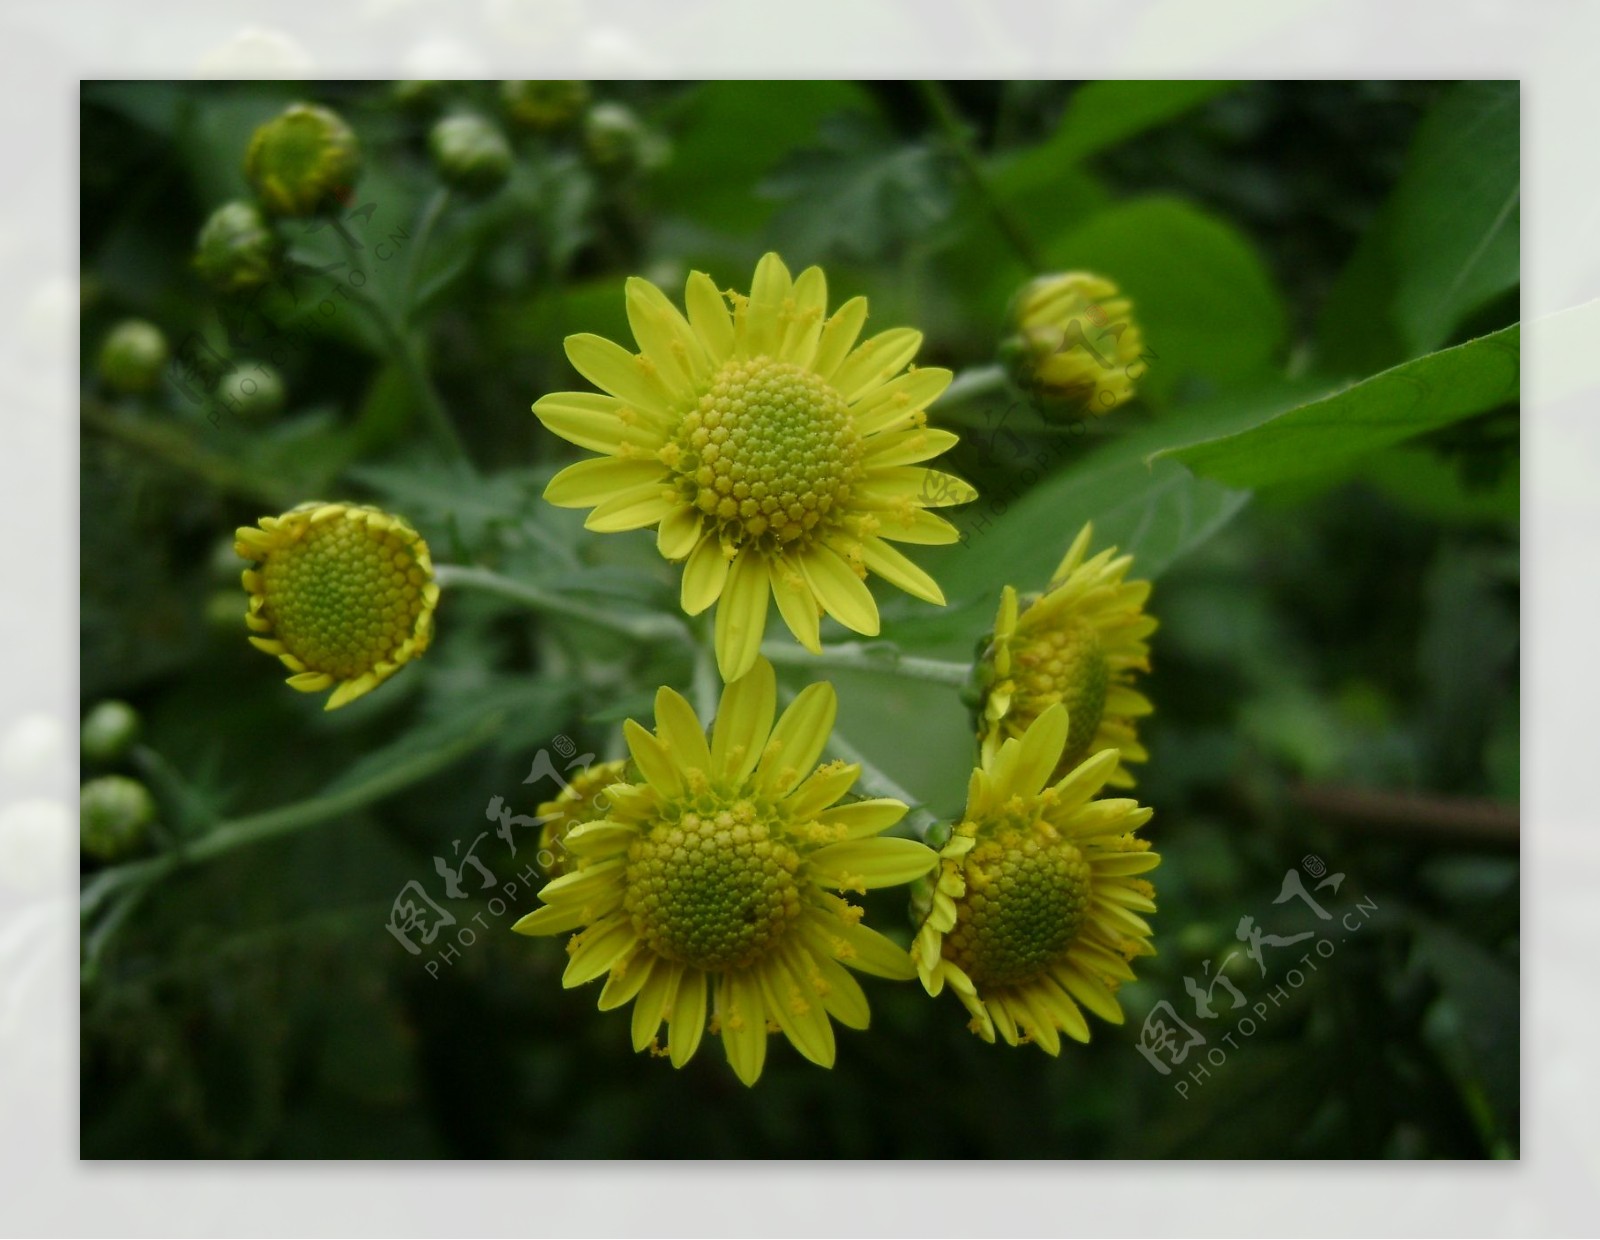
column 255, row 52
column 37, row 845
column 442, row 59
column 34, row 747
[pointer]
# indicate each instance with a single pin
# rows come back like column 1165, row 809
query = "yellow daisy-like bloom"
column 582, row 800
column 1078, row 644
column 775, row 455
column 1034, row 913
column 1076, row 341
column 714, row 878
column 342, row 594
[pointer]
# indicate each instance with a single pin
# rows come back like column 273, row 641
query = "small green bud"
column 115, row 814
column 236, row 249
column 1074, row 342
column 420, row 95
column 616, row 141
column 544, row 106
column 133, row 356
column 303, row 161
column 108, row 731
column 470, row 153
column 252, row 391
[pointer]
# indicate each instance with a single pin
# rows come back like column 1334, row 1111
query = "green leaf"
column 1444, row 244
column 728, row 135
column 1457, row 214
column 1201, row 294
column 1322, row 435
column 1102, row 114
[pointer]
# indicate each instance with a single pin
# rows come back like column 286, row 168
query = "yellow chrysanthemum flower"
column 342, row 594
column 582, row 800
column 775, row 454
column 1035, row 908
column 1078, row 644
column 715, row 876
column 1075, row 340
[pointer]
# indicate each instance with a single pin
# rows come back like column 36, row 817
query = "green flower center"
column 1027, row 897
column 715, row 889
column 1064, row 663
column 344, row 596
column 770, row 453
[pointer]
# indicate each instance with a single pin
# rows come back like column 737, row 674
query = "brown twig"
column 1412, row 817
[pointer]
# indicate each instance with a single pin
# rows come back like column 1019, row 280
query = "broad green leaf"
column 1102, row 114
column 1458, row 212
column 1201, row 294
column 726, row 136
column 1322, row 435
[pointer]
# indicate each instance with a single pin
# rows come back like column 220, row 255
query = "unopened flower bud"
column 544, row 105
column 115, row 814
column 303, row 161
column 251, row 391
column 237, row 249
column 1074, row 341
column 109, row 731
column 470, row 153
column 133, row 356
column 616, row 141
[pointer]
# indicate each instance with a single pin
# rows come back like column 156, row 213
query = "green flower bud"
column 615, row 140
column 251, row 390
column 1074, row 341
column 544, row 105
column 133, row 356
column 303, row 161
column 236, row 249
column 420, row 95
column 471, row 154
column 115, row 814
column 109, row 731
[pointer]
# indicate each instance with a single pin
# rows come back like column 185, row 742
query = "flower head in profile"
column 714, row 880
column 1078, row 644
column 776, row 456
column 342, row 594
column 582, row 800
column 1074, row 340
column 1034, row 913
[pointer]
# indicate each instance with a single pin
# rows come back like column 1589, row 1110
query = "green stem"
column 874, row 781
column 707, row 679
column 436, row 206
column 236, row 833
column 944, row 112
column 883, row 659
column 173, row 447
column 642, row 627
column 972, row 383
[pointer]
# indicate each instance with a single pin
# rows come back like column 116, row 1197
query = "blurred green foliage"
column 1321, row 474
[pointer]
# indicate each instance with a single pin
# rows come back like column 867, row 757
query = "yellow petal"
column 876, row 361
column 1040, row 751
column 843, row 595
column 632, row 509
column 820, row 789
column 654, row 762
column 665, row 338
column 611, row 368
column 742, row 1017
column 679, row 729
column 799, row 1014
column 892, row 566
column 861, row 865
column 654, row 1002
column 680, row 532
column 838, row 335
column 626, row 982
column 798, row 740
column 763, row 322
column 864, row 818
column 744, row 721
column 742, row 615
column 601, row 946
column 593, row 481
column 708, row 315
column 593, row 421
column 892, row 404
column 810, row 312
column 909, row 447
column 796, row 603
column 688, row 1020
column 704, row 575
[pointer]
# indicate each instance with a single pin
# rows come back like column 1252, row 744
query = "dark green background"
column 1337, row 577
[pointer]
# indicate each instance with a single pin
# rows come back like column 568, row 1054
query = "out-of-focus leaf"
column 858, row 194
column 1323, row 435
column 1102, row 114
column 728, row 135
column 1201, row 294
column 1457, row 217
column 1428, row 484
